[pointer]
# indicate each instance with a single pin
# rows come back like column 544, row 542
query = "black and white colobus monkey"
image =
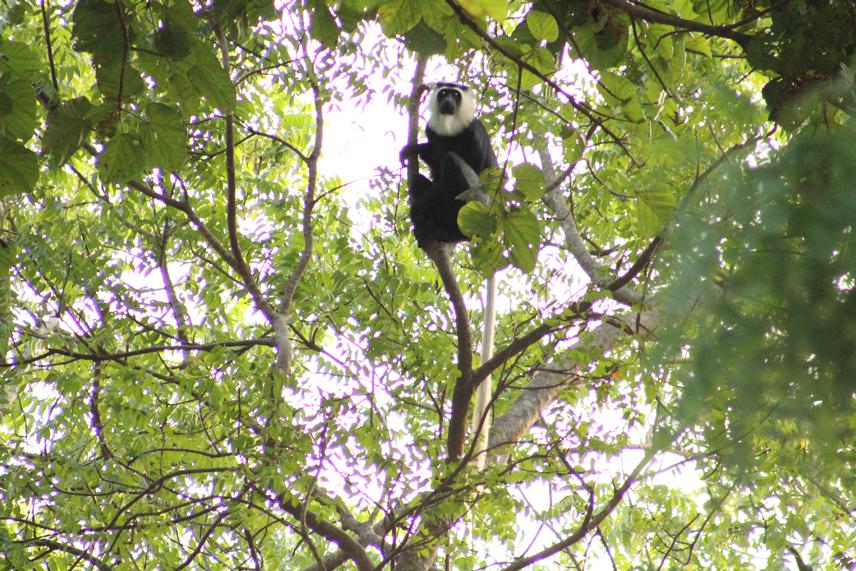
column 457, row 151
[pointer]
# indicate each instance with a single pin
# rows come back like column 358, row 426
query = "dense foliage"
column 218, row 353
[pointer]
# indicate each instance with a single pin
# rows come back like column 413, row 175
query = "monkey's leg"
column 421, row 190
column 457, row 176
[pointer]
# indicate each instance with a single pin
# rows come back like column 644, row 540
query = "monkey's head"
column 452, row 108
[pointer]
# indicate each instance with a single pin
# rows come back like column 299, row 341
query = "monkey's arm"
column 481, row 141
column 415, row 150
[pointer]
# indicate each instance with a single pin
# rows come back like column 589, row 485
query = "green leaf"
column 19, row 59
column 425, row 40
column 17, row 110
column 210, row 80
column 182, row 90
column 174, row 38
column 602, row 48
column 496, row 9
column 324, row 26
column 760, row 54
column 487, row 255
column 542, row 25
column 109, row 72
column 7, row 258
column 523, row 234
column 19, row 168
column 632, row 109
column 475, row 219
column 511, row 45
column 544, row 60
column 98, row 28
column 617, row 87
column 164, row 137
column 438, row 15
column 574, row 146
column 528, row 80
column 530, row 181
column 122, row 159
column 654, row 209
column 399, row 16
column 15, row 14
column 68, row 126
column 700, row 44
column 522, row 35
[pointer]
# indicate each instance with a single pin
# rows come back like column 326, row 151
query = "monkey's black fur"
column 458, row 149
column 434, row 210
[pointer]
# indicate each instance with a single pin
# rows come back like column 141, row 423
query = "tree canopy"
column 217, row 352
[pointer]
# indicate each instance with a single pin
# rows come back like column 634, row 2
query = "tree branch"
column 240, row 264
column 581, row 107
column 280, row 325
column 545, row 385
column 463, row 391
column 555, row 201
column 650, row 15
column 590, row 522
column 70, row 549
column 175, row 305
column 48, row 44
column 349, row 546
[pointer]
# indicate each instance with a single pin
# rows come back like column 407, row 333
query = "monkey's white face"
column 452, row 110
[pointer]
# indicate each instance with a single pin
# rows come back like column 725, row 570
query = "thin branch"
column 644, row 13
column 515, row 347
column 418, row 88
column 354, row 551
column 641, row 262
column 651, row 65
column 123, row 26
column 801, row 564
column 175, row 305
column 103, row 356
column 581, row 107
column 70, row 549
column 47, row 28
column 279, row 140
column 202, row 540
column 240, row 264
column 590, row 521
column 545, row 385
column 95, row 411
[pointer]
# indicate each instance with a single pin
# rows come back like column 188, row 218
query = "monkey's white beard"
column 448, row 125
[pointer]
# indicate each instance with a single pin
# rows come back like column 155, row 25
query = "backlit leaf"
column 475, row 219
column 122, row 159
column 529, row 180
column 164, row 137
column 542, row 25
column 68, row 126
column 17, row 110
column 523, row 235
column 19, row 168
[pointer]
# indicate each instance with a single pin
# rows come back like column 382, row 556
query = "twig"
column 46, row 25
column 641, row 12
